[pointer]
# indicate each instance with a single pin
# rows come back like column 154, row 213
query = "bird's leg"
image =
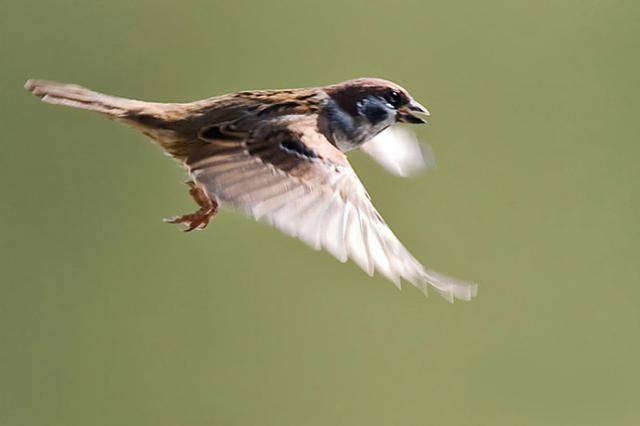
column 201, row 218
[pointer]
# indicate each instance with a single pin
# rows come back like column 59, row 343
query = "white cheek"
column 391, row 119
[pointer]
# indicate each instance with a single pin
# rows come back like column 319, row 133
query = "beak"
column 411, row 113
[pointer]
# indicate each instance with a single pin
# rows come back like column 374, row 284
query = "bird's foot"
column 200, row 219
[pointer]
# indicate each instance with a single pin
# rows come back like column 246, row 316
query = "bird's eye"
column 394, row 98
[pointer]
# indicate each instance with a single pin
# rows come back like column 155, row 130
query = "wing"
column 397, row 149
column 286, row 173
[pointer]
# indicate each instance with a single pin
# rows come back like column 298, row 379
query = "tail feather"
column 79, row 97
column 163, row 123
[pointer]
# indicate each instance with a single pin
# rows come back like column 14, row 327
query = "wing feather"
column 312, row 194
column 397, row 149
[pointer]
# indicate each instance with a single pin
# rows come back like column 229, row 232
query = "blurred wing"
column 397, row 149
column 287, row 174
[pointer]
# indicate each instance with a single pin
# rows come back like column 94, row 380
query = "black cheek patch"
column 296, row 147
column 375, row 111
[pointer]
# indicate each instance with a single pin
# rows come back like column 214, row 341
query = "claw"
column 200, row 219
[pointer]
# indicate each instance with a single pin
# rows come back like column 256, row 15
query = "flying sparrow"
column 279, row 156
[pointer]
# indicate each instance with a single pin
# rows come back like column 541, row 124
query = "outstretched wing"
column 286, row 173
column 397, row 149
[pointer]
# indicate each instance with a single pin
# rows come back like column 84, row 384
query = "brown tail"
column 80, row 97
column 167, row 124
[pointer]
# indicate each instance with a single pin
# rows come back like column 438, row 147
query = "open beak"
column 412, row 113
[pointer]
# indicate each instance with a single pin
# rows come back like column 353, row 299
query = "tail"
column 163, row 123
column 80, row 97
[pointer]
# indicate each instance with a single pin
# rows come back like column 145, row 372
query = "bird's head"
column 377, row 100
column 362, row 108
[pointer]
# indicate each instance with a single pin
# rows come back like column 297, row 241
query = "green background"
column 110, row 317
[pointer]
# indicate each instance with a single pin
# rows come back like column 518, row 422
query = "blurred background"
column 110, row 317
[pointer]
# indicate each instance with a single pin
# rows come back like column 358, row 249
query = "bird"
column 279, row 156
